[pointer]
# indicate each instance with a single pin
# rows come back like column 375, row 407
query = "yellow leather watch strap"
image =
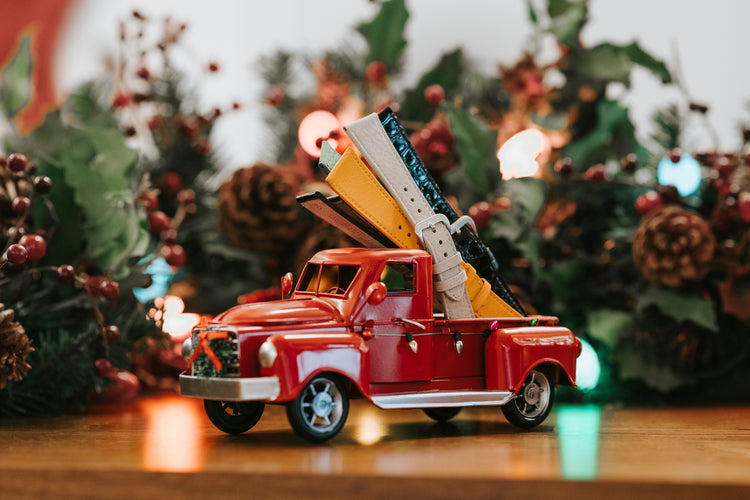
column 360, row 189
column 485, row 302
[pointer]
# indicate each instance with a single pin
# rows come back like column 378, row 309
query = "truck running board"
column 442, row 399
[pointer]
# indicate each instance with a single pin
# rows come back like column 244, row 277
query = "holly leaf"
column 633, row 366
column 446, row 73
column 385, row 33
column 526, row 197
column 532, row 12
column 681, row 306
column 610, row 62
column 15, row 83
column 613, row 136
column 567, row 18
column 476, row 145
column 605, row 325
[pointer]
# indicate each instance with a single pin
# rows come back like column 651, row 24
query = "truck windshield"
column 327, row 278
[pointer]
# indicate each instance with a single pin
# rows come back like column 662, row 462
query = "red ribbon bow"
column 203, row 345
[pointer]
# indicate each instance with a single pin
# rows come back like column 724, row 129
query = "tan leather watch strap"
column 433, row 230
column 360, row 189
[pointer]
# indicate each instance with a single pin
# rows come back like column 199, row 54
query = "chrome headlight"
column 267, row 354
column 187, row 349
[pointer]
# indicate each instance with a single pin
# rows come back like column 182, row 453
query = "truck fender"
column 511, row 354
column 302, row 356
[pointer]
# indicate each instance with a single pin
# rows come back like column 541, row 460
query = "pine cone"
column 673, row 247
column 15, row 347
column 257, row 209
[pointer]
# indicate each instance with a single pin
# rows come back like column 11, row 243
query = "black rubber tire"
column 442, row 414
column 320, row 410
column 233, row 417
column 533, row 402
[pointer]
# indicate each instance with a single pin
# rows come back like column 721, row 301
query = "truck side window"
column 308, row 282
column 399, row 277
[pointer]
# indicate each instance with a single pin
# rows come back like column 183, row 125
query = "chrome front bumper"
column 230, row 389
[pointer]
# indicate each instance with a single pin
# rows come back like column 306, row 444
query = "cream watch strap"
column 432, row 230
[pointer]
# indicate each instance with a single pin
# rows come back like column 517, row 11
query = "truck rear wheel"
column 533, row 402
column 442, row 414
column 233, row 417
column 320, row 410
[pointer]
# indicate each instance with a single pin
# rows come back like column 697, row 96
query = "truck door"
column 404, row 315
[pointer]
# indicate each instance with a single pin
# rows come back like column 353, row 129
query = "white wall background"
column 711, row 40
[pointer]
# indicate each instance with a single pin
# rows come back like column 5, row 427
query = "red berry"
column 481, row 213
column 170, row 183
column 17, row 162
column 42, row 184
column 376, row 72
column 213, row 67
column 647, row 202
column 94, row 285
column 102, row 366
column 169, row 236
column 236, row 105
column 629, row 162
column 109, row 289
column 202, row 147
column 596, row 173
column 503, row 203
column 143, row 72
column 158, row 221
column 174, row 255
column 66, row 274
column 744, row 207
column 675, row 155
column 17, row 254
column 187, row 127
column 564, row 166
column 3, row 161
column 35, row 245
column 121, row 100
column 149, row 201
column 669, row 194
column 434, row 94
column 276, row 96
column 20, row 205
column 112, row 333
column 724, row 166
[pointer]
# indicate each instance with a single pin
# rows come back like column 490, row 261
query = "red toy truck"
column 360, row 323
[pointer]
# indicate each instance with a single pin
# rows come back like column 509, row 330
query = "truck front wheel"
column 533, row 402
column 233, row 417
column 320, row 410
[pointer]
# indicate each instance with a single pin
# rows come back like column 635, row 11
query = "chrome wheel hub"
column 322, row 404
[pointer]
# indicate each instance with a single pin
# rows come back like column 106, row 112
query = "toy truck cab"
column 360, row 323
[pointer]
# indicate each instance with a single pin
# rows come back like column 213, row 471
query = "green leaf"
column 613, row 136
column 447, row 73
column 385, row 33
column 605, row 325
column 526, row 196
column 681, row 306
column 532, row 12
column 633, row 366
column 567, row 18
column 476, row 145
column 88, row 111
column 15, row 84
column 609, row 62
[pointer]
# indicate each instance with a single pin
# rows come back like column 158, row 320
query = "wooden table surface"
column 165, row 447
